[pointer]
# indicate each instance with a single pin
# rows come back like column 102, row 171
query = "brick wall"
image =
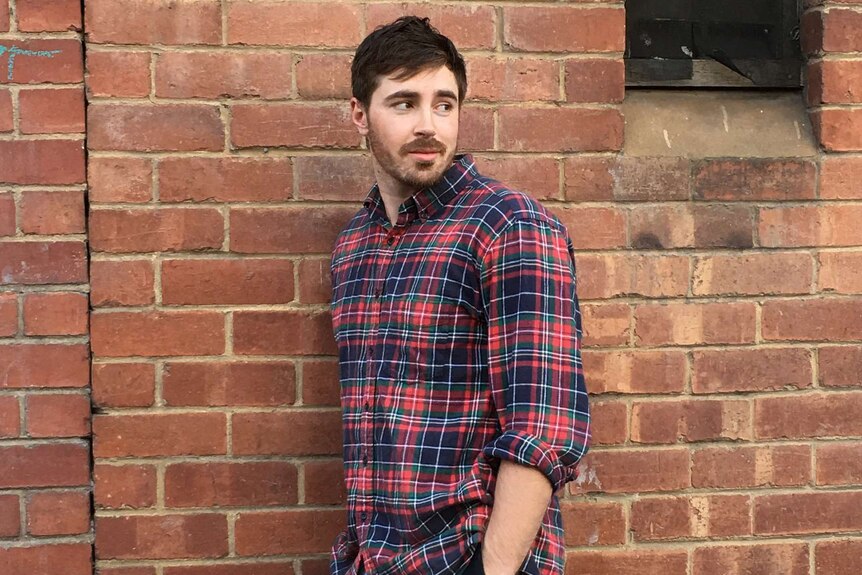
column 44, row 357
column 721, row 296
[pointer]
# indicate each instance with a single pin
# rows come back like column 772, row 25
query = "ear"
column 359, row 116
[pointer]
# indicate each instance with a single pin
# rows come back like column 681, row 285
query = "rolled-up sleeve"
column 534, row 357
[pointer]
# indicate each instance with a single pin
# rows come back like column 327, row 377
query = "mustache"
column 423, row 145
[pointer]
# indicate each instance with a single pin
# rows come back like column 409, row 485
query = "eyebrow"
column 412, row 95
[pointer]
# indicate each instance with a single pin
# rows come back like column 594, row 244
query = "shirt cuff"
column 526, row 449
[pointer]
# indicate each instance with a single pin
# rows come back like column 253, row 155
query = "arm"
column 520, row 501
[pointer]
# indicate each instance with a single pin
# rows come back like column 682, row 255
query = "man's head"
column 408, row 85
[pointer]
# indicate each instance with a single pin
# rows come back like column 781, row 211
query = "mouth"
column 425, row 155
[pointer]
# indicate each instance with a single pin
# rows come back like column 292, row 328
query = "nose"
column 425, row 123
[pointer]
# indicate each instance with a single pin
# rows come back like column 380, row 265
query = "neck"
column 392, row 192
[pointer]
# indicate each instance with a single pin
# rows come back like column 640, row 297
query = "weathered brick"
column 841, row 557
column 55, row 313
column 687, row 225
column 840, row 82
column 651, row 179
column 44, row 559
column 121, row 283
column 753, row 274
column 468, row 26
column 315, row 280
column 119, row 180
column 813, row 512
column 476, row 132
column 219, row 384
column 52, row 212
column 324, row 482
column 154, row 127
column 297, row 432
column 10, row 514
column 694, row 323
column 7, row 123
column 262, row 533
column 58, row 415
column 512, row 79
column 10, row 426
column 839, row 366
column 809, row 415
column 788, row 559
column 278, row 124
column 291, row 332
column 839, row 464
column 564, row 29
column 754, row 179
column 124, row 486
column 810, row 225
column 322, row 76
column 325, row 24
column 50, row 262
column 635, row 371
column 674, row 421
column 828, row 319
column 115, row 73
column 223, row 74
column 588, row 178
column 159, row 434
column 44, row 111
column 58, row 513
column 594, row 227
column 248, row 483
column 609, row 422
column 841, row 30
column 59, row 62
column 155, row 230
column 45, row 465
column 839, row 130
column 153, row 22
column 633, row 471
column 320, row 383
column 123, row 384
column 40, row 365
column 603, row 276
column 287, row 230
column 157, row 333
column 668, row 518
column 839, row 177
column 560, row 129
column 595, row 80
column 593, row 522
column 728, row 370
column 201, row 535
column 634, row 561
column 226, row 281
column 42, row 162
column 606, row 324
column 229, row 179
column 840, row 272
column 744, row 467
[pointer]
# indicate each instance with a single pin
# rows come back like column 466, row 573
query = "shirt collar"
column 425, row 203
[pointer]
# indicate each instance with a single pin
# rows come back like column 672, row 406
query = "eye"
column 401, row 105
column 445, row 107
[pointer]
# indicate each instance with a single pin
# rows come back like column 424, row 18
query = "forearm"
column 521, row 498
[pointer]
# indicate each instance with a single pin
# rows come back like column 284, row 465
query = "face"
column 412, row 128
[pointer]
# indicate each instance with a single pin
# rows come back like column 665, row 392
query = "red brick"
column 812, row 320
column 745, row 467
column 593, row 227
column 45, row 465
column 560, row 129
column 588, row 178
column 476, row 133
column 268, row 568
column 593, row 522
column 47, row 111
column 10, row 425
column 838, row 557
column 121, row 283
column 123, row 384
column 124, row 486
column 230, row 179
column 154, row 127
column 323, row 76
column 8, row 314
column 10, row 515
column 44, row 365
column 512, row 79
column 223, row 74
column 324, row 482
column 42, row 162
column 841, row 30
column 809, row 415
column 603, row 276
column 291, row 332
column 4, row 15
column 6, row 120
column 227, row 281
column 159, row 435
column 325, row 24
column 48, row 15
column 46, row 559
column 7, row 215
column 55, row 313
column 688, row 225
column 52, row 213
column 153, row 22
column 839, row 130
column 753, row 274
column 841, row 82
column 787, row 559
column 58, row 513
column 59, row 415
column 157, row 333
column 119, row 74
column 334, row 178
column 812, row 512
column 171, row 229
column 651, row 179
column 840, row 272
column 127, row 570
column 315, row 281
column 811, row 32
column 63, row 63
column 564, row 29
column 201, row 535
column 677, row 421
column 635, row 371
column 839, row 177
column 468, row 26
column 770, row 369
column 287, row 230
column 538, row 177
column 839, row 464
column 609, row 422
column 596, row 80
column 606, row 324
column 230, row 484
column 274, row 532
column 120, row 180
column 839, row 366
column 754, row 179
column 668, row 518
column 278, row 124
column 824, row 225
column 694, row 323
column 229, row 383
column 296, row 432
column 633, row 471
column 320, row 383
column 626, row 562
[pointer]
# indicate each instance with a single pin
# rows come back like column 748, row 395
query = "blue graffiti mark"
column 16, row 51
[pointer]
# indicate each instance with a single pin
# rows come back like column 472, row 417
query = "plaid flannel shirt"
column 458, row 331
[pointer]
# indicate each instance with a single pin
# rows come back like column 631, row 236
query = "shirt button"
column 363, row 516
column 367, row 407
column 390, row 241
column 364, row 460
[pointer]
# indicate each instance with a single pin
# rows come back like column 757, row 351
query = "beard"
column 404, row 169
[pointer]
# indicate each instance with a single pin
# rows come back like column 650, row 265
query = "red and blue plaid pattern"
column 459, row 332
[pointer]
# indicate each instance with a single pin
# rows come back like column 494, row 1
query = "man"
column 458, row 329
